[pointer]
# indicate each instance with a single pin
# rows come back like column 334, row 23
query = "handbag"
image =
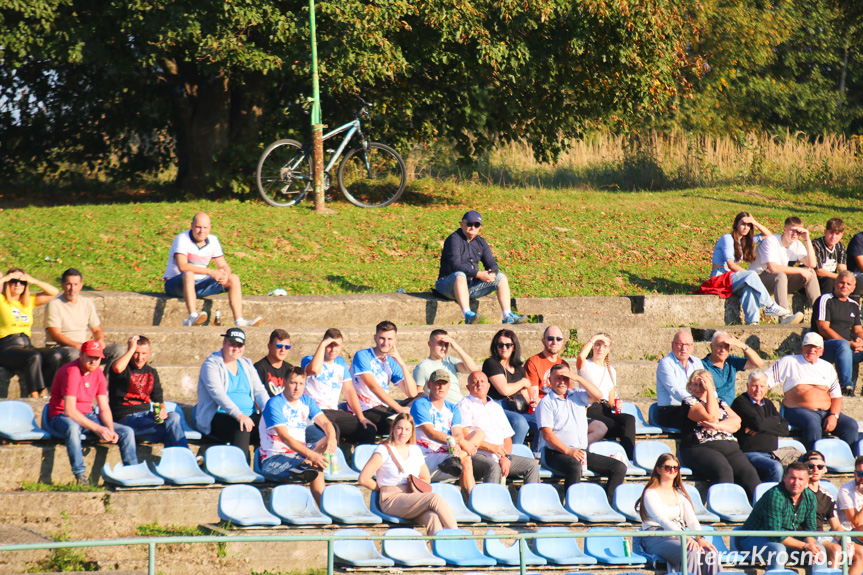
column 517, row 403
column 416, row 484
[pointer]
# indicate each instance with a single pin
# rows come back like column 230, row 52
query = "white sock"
column 465, row 310
column 505, row 313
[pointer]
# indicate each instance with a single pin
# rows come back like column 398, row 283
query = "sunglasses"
column 502, row 345
column 858, row 473
column 14, row 281
column 819, row 466
column 554, row 338
column 475, row 225
column 282, row 345
column 671, row 467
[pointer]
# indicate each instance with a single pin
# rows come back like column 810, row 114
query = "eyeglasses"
column 474, row 225
column 502, row 345
column 282, row 345
column 858, row 473
column 821, row 466
column 671, row 467
column 554, row 338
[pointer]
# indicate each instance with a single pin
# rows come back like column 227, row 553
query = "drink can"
column 157, row 409
column 503, row 480
column 334, row 463
column 618, row 405
column 450, row 444
column 627, row 551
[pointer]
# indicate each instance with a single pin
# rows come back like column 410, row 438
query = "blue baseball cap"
column 472, row 217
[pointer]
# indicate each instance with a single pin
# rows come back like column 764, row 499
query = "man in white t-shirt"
column 494, row 458
column 285, row 454
column 850, row 500
column 189, row 276
column 440, row 342
column 327, row 378
column 774, row 254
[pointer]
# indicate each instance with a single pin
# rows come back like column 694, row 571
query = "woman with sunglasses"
column 509, row 385
column 733, row 249
column 387, row 473
column 594, row 366
column 665, row 506
column 16, row 318
column 709, row 446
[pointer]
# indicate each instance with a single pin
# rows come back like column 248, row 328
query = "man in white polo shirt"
column 813, row 399
column 494, row 458
column 188, row 274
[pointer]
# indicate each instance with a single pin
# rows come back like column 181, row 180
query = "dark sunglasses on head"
column 16, row 281
column 554, row 338
column 817, row 466
column 502, row 345
column 671, row 467
column 282, row 345
column 474, row 225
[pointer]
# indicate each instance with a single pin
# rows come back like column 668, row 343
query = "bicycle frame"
column 352, row 128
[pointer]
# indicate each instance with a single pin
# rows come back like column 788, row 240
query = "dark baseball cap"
column 472, row 217
column 235, row 335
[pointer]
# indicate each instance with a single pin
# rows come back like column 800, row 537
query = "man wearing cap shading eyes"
column 440, row 342
column 537, row 367
column 826, row 514
column 672, row 373
column 70, row 409
column 850, row 501
column 813, row 400
column 231, row 396
column 272, row 368
column 461, row 279
column 837, row 318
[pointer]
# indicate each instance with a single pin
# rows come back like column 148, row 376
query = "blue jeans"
column 72, row 431
column 762, row 550
column 753, row 295
column 281, row 465
column 521, row 424
column 203, row 287
column 476, row 289
column 768, row 468
column 838, row 352
column 810, row 421
column 170, row 432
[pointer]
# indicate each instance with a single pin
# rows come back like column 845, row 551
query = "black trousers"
column 227, row 430
column 380, row 415
column 17, row 354
column 349, row 428
column 721, row 462
column 571, row 469
column 670, row 416
column 621, row 426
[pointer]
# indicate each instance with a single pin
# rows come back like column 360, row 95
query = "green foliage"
column 66, row 487
column 65, row 559
column 156, row 530
column 648, row 392
column 572, row 347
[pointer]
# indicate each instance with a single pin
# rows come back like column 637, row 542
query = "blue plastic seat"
column 612, row 449
column 541, row 502
column 509, row 554
column 345, row 472
column 345, row 504
column 788, row 442
column 493, row 503
column 409, row 552
column 589, row 502
column 647, row 452
column 652, row 411
column 762, row 488
column 358, row 552
column 641, row 426
column 227, row 463
column 561, row 550
column 522, row 450
column 362, row 454
column 701, row 512
column 609, row 550
column 729, row 501
column 837, row 454
column 453, row 498
column 829, row 488
column 178, row 466
column 131, row 475
column 460, row 552
column 295, row 505
column 243, row 505
column 17, row 422
column 191, row 433
column 46, row 426
column 375, row 507
column 625, row 497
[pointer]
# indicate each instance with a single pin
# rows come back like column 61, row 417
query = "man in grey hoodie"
column 231, row 396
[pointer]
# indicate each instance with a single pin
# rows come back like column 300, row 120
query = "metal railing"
column 331, row 538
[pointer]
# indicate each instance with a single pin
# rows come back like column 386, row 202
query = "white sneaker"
column 243, row 322
column 195, row 319
column 775, row 310
column 792, row 318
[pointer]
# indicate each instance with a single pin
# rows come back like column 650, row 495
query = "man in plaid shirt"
column 790, row 506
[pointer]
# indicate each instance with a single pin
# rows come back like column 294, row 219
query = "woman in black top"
column 509, row 385
column 708, row 445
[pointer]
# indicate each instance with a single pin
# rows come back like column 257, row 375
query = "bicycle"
column 371, row 175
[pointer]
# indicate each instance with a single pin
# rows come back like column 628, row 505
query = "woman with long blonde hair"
column 16, row 318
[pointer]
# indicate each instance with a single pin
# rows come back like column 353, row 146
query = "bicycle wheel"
column 372, row 179
column 284, row 174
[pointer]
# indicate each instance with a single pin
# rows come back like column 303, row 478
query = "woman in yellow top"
column 16, row 318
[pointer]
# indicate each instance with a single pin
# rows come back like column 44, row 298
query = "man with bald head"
column 189, row 276
column 672, row 373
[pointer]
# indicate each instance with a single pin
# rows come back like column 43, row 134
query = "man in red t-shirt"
column 537, row 367
column 70, row 409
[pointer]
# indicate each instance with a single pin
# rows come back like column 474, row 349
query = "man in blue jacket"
column 460, row 277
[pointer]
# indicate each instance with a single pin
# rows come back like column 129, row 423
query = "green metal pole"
column 151, row 559
column 317, row 126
